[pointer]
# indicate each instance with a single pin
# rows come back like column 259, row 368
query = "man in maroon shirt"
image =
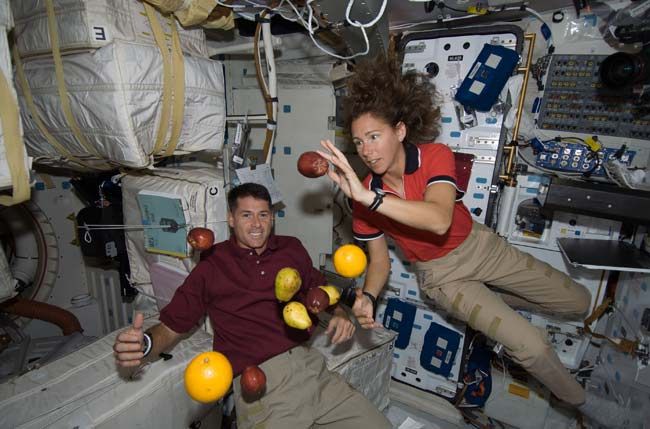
column 234, row 286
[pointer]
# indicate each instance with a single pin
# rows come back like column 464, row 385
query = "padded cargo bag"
column 115, row 96
column 90, row 24
column 85, row 390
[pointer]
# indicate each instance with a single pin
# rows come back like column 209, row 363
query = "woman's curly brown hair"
column 378, row 87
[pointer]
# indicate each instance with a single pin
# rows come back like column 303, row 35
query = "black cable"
column 570, row 139
column 597, row 164
column 443, row 5
column 495, row 217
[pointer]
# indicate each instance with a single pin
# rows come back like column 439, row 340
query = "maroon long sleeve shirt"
column 234, row 287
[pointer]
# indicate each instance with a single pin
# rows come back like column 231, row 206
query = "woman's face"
column 378, row 143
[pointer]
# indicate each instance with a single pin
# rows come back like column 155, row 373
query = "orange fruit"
column 350, row 261
column 208, row 377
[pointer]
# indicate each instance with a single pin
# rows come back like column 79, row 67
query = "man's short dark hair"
column 254, row 190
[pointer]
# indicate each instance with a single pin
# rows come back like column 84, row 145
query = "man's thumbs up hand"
column 129, row 344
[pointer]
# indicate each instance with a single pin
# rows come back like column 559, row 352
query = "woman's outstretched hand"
column 344, row 176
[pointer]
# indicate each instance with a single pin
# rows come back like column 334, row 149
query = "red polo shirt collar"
column 411, row 166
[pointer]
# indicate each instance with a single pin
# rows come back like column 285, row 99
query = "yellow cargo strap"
column 222, row 23
column 167, row 6
column 196, row 13
column 14, row 147
column 165, row 113
column 178, row 110
column 188, row 12
column 63, row 92
column 36, row 116
column 622, row 344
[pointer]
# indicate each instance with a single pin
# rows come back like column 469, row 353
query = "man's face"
column 251, row 223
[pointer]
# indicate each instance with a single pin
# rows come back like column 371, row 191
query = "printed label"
column 99, row 34
column 474, row 70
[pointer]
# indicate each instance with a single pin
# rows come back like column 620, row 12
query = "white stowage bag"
column 85, row 390
column 6, row 23
column 204, row 203
column 115, row 95
column 364, row 361
column 91, row 24
column 6, row 20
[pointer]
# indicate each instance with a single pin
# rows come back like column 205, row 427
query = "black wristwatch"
column 148, row 344
column 379, row 198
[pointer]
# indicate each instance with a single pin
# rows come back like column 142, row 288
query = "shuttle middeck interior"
column 124, row 124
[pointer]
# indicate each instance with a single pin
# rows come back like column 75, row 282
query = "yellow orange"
column 350, row 261
column 208, row 377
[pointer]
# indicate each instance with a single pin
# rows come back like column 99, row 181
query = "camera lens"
column 620, row 70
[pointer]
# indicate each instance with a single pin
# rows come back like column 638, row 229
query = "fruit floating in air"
column 253, row 383
column 350, row 261
column 312, row 165
column 200, row 238
column 333, row 293
column 208, row 377
column 287, row 283
column 295, row 315
column 317, row 300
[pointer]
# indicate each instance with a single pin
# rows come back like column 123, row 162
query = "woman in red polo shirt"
column 410, row 195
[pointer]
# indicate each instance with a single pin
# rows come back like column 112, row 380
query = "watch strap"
column 148, row 344
column 373, row 300
column 379, row 198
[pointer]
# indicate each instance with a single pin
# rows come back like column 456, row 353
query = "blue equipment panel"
column 487, row 77
column 399, row 317
column 577, row 158
column 439, row 350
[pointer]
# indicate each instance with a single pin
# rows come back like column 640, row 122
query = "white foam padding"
column 91, row 24
column 204, row 204
column 364, row 361
column 115, row 95
column 84, row 389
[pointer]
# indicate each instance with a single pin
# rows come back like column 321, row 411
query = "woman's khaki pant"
column 457, row 283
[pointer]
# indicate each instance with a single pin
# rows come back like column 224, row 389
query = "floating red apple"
column 200, row 238
column 253, row 383
column 312, row 165
column 317, row 300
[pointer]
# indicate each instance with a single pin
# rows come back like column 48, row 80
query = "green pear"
column 295, row 315
column 333, row 292
column 287, row 283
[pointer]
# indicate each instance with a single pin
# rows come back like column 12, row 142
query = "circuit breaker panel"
column 576, row 100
